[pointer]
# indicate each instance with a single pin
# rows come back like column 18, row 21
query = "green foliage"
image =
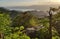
column 56, row 37
column 24, row 37
column 34, row 21
column 4, row 22
column 44, row 22
column 25, row 20
column 17, row 34
column 21, row 28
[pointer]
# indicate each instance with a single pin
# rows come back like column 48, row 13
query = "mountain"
column 33, row 7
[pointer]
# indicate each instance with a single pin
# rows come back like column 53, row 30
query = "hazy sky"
column 25, row 2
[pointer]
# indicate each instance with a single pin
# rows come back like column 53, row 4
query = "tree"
column 4, row 24
column 17, row 34
column 25, row 19
column 3, row 10
column 51, row 20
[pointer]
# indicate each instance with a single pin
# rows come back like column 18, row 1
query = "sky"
column 26, row 2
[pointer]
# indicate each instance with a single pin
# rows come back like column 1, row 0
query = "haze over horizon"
column 5, row 3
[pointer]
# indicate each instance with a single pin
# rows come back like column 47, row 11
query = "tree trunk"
column 1, row 36
column 50, row 24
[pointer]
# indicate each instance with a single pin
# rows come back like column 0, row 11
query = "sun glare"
column 55, row 0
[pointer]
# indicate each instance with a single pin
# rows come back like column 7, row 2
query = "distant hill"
column 39, row 14
column 14, row 13
column 35, row 7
